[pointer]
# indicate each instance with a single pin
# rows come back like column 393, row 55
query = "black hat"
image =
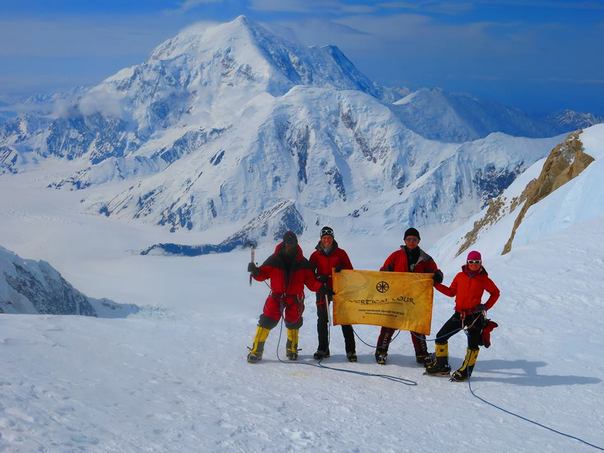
column 289, row 238
column 326, row 231
column 411, row 232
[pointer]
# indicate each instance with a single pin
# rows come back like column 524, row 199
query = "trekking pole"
column 252, row 258
column 326, row 298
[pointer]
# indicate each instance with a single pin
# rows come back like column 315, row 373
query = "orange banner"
column 400, row 300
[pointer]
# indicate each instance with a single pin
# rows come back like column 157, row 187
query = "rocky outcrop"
column 495, row 211
column 565, row 162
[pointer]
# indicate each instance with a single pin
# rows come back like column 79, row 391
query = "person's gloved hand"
column 253, row 269
column 480, row 308
column 338, row 268
column 438, row 276
column 322, row 278
column 325, row 289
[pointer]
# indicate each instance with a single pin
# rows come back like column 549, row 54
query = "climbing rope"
column 410, row 382
column 526, row 419
column 529, row 420
column 389, row 377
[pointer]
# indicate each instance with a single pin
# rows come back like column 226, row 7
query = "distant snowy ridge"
column 285, row 214
column 458, row 117
column 35, row 287
column 554, row 194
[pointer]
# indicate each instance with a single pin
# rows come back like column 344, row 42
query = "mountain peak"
column 191, row 40
column 247, row 50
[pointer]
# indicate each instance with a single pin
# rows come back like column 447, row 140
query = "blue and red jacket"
column 397, row 262
column 287, row 282
column 325, row 262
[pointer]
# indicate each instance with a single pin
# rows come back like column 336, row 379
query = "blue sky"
column 536, row 55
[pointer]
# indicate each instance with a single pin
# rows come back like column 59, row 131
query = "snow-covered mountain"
column 223, row 126
column 176, row 378
column 35, row 287
column 460, row 117
column 569, row 120
column 555, row 193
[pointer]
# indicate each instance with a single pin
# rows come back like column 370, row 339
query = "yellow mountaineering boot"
column 257, row 348
column 440, row 366
column 292, row 344
column 465, row 371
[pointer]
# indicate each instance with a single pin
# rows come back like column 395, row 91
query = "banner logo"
column 382, row 286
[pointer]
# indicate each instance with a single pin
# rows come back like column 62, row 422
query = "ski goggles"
column 474, row 262
column 326, row 231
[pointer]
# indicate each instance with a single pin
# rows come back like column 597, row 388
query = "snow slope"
column 174, row 377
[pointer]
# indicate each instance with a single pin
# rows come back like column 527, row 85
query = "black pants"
column 455, row 324
column 322, row 330
column 419, row 342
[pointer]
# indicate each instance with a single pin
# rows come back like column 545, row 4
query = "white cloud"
column 107, row 102
column 190, row 4
column 71, row 36
column 311, row 6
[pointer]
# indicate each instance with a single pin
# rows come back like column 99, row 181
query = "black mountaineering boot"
column 440, row 366
column 380, row 356
column 320, row 355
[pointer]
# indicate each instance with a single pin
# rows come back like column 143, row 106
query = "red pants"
column 292, row 310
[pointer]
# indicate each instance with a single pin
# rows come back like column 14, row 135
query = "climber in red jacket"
column 288, row 272
column 409, row 258
column 329, row 256
column 467, row 287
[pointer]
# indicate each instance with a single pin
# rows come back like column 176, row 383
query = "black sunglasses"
column 474, row 261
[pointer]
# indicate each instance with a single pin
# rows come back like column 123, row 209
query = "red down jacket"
column 468, row 288
column 287, row 284
column 324, row 263
column 397, row 262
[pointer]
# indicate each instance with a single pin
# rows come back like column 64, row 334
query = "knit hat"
column 326, row 231
column 289, row 238
column 473, row 256
column 411, row 232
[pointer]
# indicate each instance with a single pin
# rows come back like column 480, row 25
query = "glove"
column 253, row 269
column 338, row 268
column 326, row 290
column 322, row 278
column 480, row 308
column 438, row 276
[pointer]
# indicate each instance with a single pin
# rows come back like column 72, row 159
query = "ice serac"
column 35, row 287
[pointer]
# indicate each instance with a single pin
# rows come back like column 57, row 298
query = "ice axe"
column 252, row 246
column 252, row 258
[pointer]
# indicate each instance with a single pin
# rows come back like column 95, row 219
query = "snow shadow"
column 525, row 373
